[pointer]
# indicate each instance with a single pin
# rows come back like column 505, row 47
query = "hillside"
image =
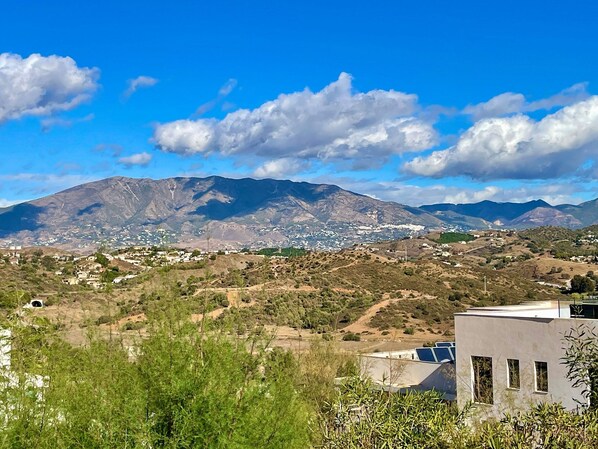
column 393, row 294
column 222, row 213
column 200, row 211
column 520, row 215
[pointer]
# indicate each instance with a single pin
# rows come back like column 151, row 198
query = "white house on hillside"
column 508, row 358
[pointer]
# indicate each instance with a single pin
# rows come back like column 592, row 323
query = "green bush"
column 104, row 319
column 351, row 337
column 183, row 389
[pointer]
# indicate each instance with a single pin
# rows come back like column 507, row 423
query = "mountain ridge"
column 185, row 210
column 233, row 213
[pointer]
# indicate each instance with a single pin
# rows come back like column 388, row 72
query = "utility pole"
column 485, row 290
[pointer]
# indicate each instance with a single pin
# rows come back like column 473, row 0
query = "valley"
column 370, row 297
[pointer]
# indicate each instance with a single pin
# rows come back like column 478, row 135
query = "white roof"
column 536, row 309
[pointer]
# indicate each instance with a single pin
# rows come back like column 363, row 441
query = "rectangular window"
column 541, row 376
column 482, row 380
column 513, row 373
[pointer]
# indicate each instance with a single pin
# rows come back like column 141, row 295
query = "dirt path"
column 350, row 264
column 234, row 300
column 362, row 322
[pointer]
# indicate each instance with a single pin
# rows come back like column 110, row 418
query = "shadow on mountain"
column 246, row 196
column 22, row 217
column 89, row 209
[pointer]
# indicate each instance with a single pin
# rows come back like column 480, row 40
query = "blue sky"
column 415, row 102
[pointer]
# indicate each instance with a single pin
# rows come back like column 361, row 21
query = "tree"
column 582, row 284
column 581, row 359
column 102, row 259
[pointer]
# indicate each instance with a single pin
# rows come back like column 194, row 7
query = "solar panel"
column 442, row 354
column 453, row 352
column 445, row 344
column 426, row 354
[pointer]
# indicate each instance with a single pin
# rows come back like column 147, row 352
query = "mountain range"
column 223, row 213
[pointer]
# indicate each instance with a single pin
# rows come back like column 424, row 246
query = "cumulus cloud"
column 133, row 85
column 510, row 103
column 519, row 147
column 42, row 85
column 330, row 125
column 280, row 168
column 139, row 159
column 52, row 122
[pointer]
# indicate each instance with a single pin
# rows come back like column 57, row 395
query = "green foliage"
column 351, row 337
column 104, row 319
column 544, row 426
column 109, row 275
column 581, row 360
column 361, row 417
column 582, row 284
column 102, row 259
column 454, row 237
column 284, row 252
column 320, row 311
column 181, row 389
column 12, row 299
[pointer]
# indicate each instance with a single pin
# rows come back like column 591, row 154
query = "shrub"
column 351, row 337
column 104, row 319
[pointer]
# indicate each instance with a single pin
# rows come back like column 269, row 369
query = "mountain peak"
column 235, row 212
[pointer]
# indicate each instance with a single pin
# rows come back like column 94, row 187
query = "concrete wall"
column 407, row 373
column 525, row 339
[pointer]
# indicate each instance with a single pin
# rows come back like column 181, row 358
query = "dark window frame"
column 513, row 374
column 483, row 380
column 541, row 377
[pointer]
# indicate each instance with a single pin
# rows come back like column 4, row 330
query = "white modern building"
column 510, row 357
column 399, row 371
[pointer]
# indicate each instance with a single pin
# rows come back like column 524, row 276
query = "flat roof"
column 534, row 309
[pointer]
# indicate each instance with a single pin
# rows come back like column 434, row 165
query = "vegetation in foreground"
column 187, row 386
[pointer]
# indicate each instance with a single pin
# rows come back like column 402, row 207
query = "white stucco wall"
column 526, row 339
column 407, row 373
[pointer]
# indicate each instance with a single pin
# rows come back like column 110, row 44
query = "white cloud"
column 52, row 122
column 140, row 159
column 227, row 88
column 133, row 85
column 42, row 85
column 414, row 195
column 224, row 91
column 519, row 147
column 330, row 125
column 510, row 103
column 280, row 168
column 7, row 203
column 114, row 149
column 502, row 104
column 35, row 184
